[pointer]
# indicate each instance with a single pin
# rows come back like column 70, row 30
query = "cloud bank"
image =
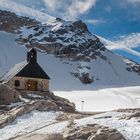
column 68, row 9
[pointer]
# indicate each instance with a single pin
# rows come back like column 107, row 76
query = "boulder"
column 93, row 132
column 85, row 78
column 8, row 95
column 48, row 101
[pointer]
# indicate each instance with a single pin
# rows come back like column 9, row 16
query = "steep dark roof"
column 33, row 70
column 25, row 69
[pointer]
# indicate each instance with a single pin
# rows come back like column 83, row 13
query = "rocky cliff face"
column 63, row 39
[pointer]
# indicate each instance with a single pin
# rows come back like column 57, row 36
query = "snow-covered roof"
column 13, row 71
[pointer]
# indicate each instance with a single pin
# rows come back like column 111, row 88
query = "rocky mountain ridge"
column 64, row 39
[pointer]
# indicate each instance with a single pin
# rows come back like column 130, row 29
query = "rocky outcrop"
column 45, row 101
column 133, row 68
column 8, row 95
column 85, row 78
column 130, row 113
column 93, row 132
column 11, row 23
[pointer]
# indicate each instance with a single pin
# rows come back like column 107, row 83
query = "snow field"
column 104, row 99
column 27, row 123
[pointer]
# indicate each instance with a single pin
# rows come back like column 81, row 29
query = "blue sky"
column 114, row 17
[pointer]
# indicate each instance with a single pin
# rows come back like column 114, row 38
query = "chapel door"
column 31, row 85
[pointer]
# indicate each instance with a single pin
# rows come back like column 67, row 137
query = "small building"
column 27, row 75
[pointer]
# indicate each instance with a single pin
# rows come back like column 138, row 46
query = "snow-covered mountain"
column 80, row 57
column 74, row 55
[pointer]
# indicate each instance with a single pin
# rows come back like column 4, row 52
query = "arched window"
column 17, row 83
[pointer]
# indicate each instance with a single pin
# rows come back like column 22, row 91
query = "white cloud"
column 134, row 1
column 69, row 9
column 131, row 8
column 130, row 41
column 79, row 7
column 108, row 9
column 134, row 12
column 95, row 21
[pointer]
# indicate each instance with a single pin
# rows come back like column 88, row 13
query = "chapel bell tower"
column 32, row 56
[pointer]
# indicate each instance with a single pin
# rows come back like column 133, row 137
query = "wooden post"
column 82, row 106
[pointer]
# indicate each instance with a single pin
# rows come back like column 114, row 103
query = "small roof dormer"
column 32, row 56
